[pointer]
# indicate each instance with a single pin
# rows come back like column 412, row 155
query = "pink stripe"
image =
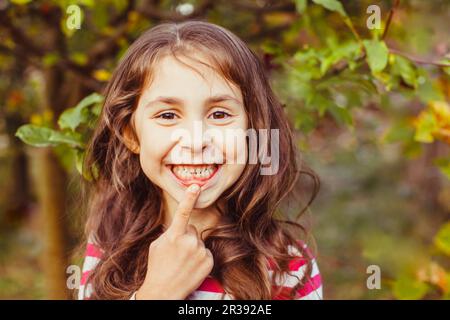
column 313, row 284
column 93, row 251
column 84, row 277
column 294, row 264
column 210, row 285
column 270, row 264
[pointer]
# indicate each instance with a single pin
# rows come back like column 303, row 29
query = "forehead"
column 173, row 78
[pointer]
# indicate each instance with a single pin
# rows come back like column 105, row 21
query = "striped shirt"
column 211, row 289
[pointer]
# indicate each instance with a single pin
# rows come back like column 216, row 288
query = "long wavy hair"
column 125, row 212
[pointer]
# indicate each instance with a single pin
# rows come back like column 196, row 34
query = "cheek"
column 151, row 153
column 236, row 156
column 235, row 148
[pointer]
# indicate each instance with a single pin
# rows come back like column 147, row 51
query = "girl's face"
column 191, row 129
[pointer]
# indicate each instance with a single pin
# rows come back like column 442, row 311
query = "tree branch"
column 108, row 46
column 75, row 69
column 105, row 48
column 268, row 7
column 389, row 19
column 19, row 36
column 123, row 16
column 418, row 60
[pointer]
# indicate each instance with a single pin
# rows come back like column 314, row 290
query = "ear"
column 131, row 140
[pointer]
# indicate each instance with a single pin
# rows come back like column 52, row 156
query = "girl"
column 172, row 214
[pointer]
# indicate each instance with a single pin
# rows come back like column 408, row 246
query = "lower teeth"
column 188, row 175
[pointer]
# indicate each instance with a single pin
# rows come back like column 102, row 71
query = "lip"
column 203, row 183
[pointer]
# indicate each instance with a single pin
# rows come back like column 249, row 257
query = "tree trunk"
column 17, row 190
column 50, row 181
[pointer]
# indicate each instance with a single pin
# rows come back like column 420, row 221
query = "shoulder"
column 92, row 257
column 311, row 282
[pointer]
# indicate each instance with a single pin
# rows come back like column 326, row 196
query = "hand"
column 178, row 261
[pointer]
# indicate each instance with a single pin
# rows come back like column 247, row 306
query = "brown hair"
column 125, row 211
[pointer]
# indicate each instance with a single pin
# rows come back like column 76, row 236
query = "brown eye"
column 220, row 115
column 167, row 116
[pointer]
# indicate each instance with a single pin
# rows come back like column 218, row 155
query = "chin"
column 205, row 199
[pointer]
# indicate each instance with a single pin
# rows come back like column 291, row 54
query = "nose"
column 195, row 141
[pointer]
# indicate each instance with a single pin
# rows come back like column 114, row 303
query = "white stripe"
column 290, row 279
column 206, row 295
column 292, row 250
column 82, row 293
column 90, row 263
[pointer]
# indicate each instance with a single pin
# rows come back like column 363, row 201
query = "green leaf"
column 405, row 69
column 66, row 156
column 79, row 161
column 35, row 135
column 333, row 5
column 305, row 122
column 300, row 5
column 80, row 157
column 442, row 239
column 321, row 103
column 428, row 91
column 70, row 138
column 73, row 117
column 407, row 287
column 342, row 115
column 377, row 54
column 348, row 51
column 45, row 137
column 96, row 110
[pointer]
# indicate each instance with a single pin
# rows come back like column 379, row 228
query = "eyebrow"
column 177, row 101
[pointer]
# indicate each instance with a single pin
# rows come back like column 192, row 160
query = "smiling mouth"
column 194, row 173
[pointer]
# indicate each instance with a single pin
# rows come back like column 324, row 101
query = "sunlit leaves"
column 73, row 117
column 426, row 125
column 70, row 140
column 79, row 58
column 427, row 90
column 301, row 5
column 442, row 239
column 20, row 1
column 101, row 75
column 333, row 5
column 348, row 51
column 377, row 54
column 50, row 59
column 403, row 68
column 433, row 123
column 443, row 165
column 407, row 287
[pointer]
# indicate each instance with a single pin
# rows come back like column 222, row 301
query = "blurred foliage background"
column 366, row 84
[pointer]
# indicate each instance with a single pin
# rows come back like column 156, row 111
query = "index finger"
column 181, row 217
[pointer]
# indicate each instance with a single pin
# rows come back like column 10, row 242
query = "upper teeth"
column 189, row 171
